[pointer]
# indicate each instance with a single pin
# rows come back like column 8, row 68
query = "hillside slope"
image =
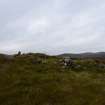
column 100, row 55
column 33, row 79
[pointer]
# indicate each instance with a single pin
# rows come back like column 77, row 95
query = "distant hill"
column 27, row 55
column 6, row 56
column 100, row 55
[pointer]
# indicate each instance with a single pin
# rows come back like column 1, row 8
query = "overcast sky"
column 52, row 26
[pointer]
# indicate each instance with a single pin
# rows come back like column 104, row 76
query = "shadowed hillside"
column 100, row 55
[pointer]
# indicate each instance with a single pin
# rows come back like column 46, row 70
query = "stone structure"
column 67, row 62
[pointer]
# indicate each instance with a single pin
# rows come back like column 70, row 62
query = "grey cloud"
column 52, row 27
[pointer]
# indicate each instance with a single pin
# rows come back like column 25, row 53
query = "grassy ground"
column 24, row 82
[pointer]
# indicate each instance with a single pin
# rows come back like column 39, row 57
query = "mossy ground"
column 24, row 83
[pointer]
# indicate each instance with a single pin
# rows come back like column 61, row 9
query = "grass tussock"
column 41, row 80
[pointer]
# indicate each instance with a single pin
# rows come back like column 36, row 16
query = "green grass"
column 25, row 83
